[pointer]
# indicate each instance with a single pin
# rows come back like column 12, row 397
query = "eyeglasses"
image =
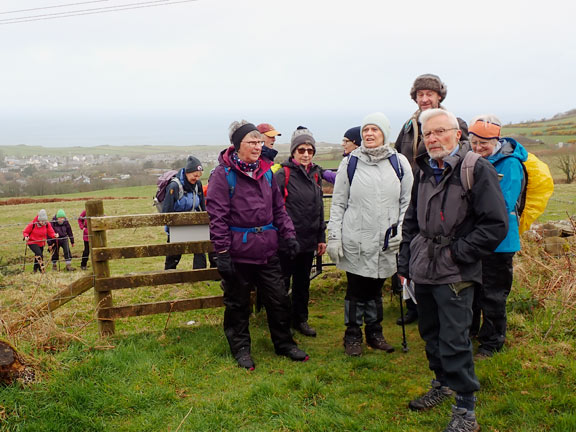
column 437, row 132
column 254, row 143
column 304, row 150
column 475, row 143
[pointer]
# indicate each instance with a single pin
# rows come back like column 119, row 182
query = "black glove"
column 225, row 265
column 291, row 247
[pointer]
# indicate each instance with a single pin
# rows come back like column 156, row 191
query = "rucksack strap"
column 286, row 178
column 351, row 169
column 231, row 179
column 467, row 170
column 353, row 162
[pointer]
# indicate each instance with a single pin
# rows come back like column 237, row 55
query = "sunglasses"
column 304, row 150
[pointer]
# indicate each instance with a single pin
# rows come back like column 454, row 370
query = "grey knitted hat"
column 429, row 82
column 42, row 216
column 301, row 136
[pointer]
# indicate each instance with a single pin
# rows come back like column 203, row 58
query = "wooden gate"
column 105, row 284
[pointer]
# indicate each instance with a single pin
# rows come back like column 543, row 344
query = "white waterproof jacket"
column 361, row 214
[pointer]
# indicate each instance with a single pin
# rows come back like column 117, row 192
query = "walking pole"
column 404, row 343
column 25, row 250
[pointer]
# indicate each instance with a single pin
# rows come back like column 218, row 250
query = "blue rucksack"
column 353, row 161
column 231, row 178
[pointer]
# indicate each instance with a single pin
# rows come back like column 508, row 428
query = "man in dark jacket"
column 183, row 194
column 446, row 232
column 428, row 91
column 64, row 241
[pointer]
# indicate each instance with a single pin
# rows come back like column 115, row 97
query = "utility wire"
column 52, row 7
column 91, row 11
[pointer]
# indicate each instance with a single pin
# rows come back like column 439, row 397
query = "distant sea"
column 70, row 130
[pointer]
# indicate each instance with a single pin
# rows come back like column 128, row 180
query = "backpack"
column 162, row 183
column 231, row 179
column 537, row 187
column 353, row 162
column 287, row 177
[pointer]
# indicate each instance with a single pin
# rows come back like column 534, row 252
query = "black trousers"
column 38, row 256
column 444, row 318
column 490, row 300
column 363, row 305
column 172, row 261
column 85, row 253
column 63, row 244
column 297, row 272
column 267, row 278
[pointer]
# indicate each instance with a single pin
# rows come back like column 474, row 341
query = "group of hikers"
column 437, row 212
column 57, row 234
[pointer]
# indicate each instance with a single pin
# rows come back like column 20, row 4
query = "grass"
column 174, row 372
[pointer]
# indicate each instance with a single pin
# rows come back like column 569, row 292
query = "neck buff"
column 244, row 166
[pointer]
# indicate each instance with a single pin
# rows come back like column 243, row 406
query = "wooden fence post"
column 103, row 299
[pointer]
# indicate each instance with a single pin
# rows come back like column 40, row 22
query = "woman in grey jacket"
column 371, row 195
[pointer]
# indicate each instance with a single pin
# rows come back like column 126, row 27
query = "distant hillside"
column 559, row 129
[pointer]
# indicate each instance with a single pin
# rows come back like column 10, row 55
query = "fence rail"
column 105, row 284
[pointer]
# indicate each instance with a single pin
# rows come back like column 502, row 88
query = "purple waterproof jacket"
column 254, row 203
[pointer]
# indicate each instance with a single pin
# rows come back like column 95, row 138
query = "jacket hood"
column 225, row 158
column 188, row 187
column 510, row 148
column 269, row 153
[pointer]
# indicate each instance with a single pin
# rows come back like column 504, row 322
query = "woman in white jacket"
column 371, row 195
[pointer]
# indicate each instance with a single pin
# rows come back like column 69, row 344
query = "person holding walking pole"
column 35, row 234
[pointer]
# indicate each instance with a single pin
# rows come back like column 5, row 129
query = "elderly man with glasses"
column 428, row 92
column 447, row 231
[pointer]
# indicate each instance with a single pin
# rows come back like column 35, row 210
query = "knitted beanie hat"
column 429, row 82
column 353, row 134
column 42, row 216
column 60, row 214
column 301, row 136
column 193, row 164
column 378, row 119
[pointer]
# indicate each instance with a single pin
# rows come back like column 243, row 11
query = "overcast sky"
column 180, row 73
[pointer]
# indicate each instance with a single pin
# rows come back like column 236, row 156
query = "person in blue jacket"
column 183, row 194
column 506, row 155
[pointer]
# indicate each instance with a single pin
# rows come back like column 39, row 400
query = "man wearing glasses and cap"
column 269, row 135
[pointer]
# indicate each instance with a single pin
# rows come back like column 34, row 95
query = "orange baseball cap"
column 268, row 129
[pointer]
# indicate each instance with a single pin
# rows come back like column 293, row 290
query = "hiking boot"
column 295, row 353
column 409, row 318
column 435, row 396
column 462, row 421
column 483, row 354
column 70, row 268
column 244, row 359
column 305, row 329
column 353, row 347
column 378, row 342
column 83, row 268
column 54, row 267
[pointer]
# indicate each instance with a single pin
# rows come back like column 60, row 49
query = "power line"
column 52, row 7
column 91, row 11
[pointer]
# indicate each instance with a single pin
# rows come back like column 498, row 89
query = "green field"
column 174, row 372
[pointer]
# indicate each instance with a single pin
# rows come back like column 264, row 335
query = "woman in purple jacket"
column 64, row 241
column 247, row 216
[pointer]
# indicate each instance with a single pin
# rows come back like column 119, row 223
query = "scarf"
column 376, row 154
column 245, row 166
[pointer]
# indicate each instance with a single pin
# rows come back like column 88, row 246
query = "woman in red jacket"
column 36, row 233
